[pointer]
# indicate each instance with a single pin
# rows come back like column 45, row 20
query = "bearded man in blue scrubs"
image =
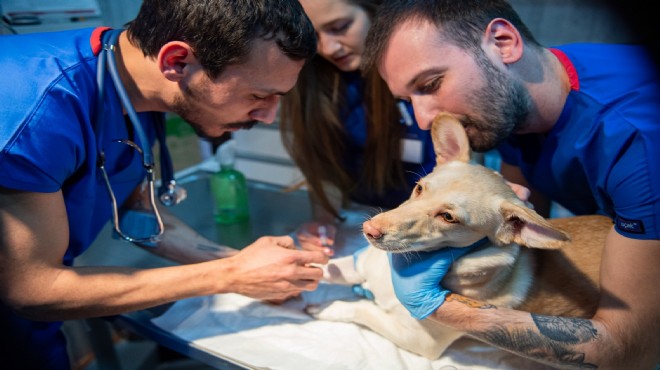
column 220, row 65
column 577, row 124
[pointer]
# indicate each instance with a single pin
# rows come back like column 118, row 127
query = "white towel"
column 264, row 336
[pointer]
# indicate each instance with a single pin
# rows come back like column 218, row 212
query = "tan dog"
column 456, row 205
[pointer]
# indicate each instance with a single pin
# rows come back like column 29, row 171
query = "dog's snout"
column 370, row 230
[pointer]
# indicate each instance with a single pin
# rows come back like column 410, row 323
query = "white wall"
column 110, row 13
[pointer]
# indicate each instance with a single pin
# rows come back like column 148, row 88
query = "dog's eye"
column 448, row 217
column 418, row 190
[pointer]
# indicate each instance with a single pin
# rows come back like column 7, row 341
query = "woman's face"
column 341, row 29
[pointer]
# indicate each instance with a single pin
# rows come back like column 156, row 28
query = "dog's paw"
column 334, row 311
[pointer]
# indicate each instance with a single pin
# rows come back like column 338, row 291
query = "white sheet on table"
column 259, row 335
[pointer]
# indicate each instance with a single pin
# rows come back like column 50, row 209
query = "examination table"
column 230, row 331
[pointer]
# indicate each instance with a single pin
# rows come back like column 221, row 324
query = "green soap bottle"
column 229, row 188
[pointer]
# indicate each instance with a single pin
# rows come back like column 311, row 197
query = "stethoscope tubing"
column 107, row 59
column 107, row 52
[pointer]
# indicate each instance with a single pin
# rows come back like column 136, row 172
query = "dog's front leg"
column 424, row 338
column 342, row 271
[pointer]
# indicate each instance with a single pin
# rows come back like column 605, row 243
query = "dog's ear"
column 525, row 227
column 449, row 139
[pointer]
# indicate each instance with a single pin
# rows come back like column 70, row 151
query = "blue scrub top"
column 354, row 120
column 48, row 143
column 602, row 156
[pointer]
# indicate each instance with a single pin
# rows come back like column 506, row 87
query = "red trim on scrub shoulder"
column 570, row 69
column 95, row 40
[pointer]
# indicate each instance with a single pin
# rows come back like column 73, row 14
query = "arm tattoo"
column 568, row 330
column 552, row 345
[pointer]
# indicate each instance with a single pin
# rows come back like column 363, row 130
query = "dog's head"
column 459, row 203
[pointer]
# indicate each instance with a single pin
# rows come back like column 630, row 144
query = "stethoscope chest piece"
column 172, row 194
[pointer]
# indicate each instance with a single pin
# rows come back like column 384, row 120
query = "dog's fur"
column 456, row 205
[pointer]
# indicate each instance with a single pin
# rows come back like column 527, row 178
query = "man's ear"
column 173, row 59
column 506, row 39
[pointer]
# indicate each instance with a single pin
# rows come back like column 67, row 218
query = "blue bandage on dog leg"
column 357, row 288
column 362, row 292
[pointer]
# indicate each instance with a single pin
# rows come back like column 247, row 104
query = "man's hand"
column 522, row 192
column 416, row 278
column 272, row 269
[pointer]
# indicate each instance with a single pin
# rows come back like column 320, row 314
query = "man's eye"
column 430, row 86
column 257, row 97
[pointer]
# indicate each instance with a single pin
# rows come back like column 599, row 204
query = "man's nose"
column 424, row 115
column 267, row 112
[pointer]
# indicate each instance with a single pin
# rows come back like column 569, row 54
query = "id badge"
column 412, row 150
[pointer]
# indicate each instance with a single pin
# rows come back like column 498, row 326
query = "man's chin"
column 229, row 127
column 246, row 125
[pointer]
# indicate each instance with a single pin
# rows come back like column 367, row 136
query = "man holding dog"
column 222, row 66
column 576, row 124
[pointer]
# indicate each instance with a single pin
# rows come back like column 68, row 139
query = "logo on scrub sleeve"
column 631, row 226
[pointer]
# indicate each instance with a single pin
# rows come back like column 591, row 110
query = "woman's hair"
column 221, row 32
column 462, row 21
column 313, row 132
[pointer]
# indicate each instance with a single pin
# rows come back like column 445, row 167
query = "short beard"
column 503, row 105
column 183, row 107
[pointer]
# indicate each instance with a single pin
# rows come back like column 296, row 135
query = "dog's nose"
column 370, row 230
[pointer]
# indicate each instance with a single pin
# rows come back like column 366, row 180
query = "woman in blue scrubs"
column 350, row 138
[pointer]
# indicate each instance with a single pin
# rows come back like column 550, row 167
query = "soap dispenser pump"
column 229, row 188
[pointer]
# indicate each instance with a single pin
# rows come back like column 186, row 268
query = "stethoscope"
column 169, row 193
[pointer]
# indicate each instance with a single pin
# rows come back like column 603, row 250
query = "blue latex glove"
column 416, row 278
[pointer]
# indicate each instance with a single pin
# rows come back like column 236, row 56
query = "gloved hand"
column 416, row 278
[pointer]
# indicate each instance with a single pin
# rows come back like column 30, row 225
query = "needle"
column 323, row 235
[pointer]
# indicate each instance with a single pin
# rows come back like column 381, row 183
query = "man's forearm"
column 182, row 244
column 179, row 243
column 567, row 343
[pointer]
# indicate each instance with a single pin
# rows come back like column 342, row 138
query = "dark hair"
column 462, row 22
column 221, row 32
column 314, row 135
